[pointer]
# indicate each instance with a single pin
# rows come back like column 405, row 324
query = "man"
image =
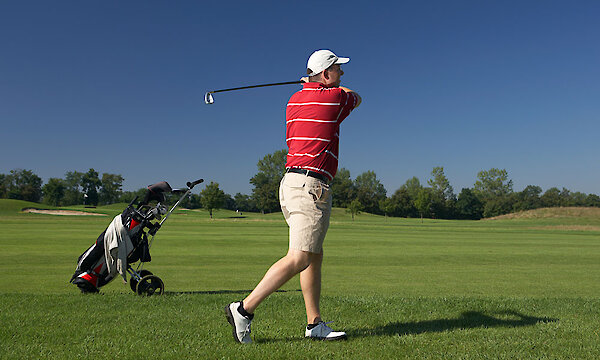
column 313, row 117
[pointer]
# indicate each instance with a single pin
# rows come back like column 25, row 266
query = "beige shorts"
column 306, row 205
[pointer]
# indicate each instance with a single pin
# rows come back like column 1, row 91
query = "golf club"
column 209, row 99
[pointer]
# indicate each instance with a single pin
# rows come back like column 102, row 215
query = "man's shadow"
column 467, row 320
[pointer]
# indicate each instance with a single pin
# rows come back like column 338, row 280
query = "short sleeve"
column 348, row 101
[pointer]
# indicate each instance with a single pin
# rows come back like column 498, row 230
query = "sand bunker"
column 62, row 212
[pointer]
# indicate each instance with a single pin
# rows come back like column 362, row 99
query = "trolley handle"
column 191, row 185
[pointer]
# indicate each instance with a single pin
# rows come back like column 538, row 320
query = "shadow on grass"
column 218, row 292
column 467, row 320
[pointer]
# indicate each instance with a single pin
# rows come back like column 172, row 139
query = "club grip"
column 192, row 184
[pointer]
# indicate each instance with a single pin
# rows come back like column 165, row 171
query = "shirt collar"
column 313, row 85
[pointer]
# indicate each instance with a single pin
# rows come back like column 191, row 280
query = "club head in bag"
column 208, row 98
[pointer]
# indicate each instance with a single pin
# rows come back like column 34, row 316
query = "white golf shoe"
column 240, row 323
column 324, row 332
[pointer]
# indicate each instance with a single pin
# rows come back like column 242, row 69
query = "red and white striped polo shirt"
column 313, row 118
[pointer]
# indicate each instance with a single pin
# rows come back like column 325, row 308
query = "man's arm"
column 355, row 93
column 306, row 79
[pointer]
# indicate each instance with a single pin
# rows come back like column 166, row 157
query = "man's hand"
column 305, row 79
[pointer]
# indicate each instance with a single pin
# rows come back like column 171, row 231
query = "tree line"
column 89, row 188
column 492, row 193
column 75, row 189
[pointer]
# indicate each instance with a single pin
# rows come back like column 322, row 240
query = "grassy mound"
column 12, row 207
column 553, row 212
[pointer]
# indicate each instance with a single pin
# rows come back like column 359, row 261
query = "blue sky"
column 467, row 85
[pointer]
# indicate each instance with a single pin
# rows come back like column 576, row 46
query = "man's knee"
column 300, row 259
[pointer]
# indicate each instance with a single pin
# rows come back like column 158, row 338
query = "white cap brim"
column 342, row 60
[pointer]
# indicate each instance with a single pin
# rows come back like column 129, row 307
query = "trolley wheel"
column 133, row 282
column 150, row 285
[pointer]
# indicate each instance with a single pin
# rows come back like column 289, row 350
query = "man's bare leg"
column 278, row 274
column 310, row 282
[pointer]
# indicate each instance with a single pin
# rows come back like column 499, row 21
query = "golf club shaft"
column 257, row 86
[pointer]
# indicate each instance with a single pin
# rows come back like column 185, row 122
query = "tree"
column 592, row 200
column 266, row 182
column 23, row 185
column 423, row 202
column 403, row 204
column 342, row 188
column 194, row 202
column 565, row 197
column 3, row 186
column 229, row 202
column 212, row 197
column 54, row 191
column 243, row 202
column 128, row 196
column 73, row 194
column 494, row 187
column 191, row 201
column 528, row 199
column 468, row 205
column 551, row 198
column 492, row 184
column 90, row 184
column 439, row 184
column 570, row 198
column 265, row 193
column 111, row 188
column 578, row 199
column 497, row 206
column 388, row 206
column 369, row 191
column 355, row 208
column 412, row 187
column 442, row 193
column 450, row 208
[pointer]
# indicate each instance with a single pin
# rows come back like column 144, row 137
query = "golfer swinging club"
column 313, row 118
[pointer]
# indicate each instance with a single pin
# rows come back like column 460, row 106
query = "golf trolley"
column 125, row 243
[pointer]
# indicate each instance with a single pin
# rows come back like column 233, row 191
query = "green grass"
column 497, row 289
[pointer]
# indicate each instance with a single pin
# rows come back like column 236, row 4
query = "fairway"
column 511, row 288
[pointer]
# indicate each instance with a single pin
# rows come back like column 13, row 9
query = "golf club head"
column 208, row 98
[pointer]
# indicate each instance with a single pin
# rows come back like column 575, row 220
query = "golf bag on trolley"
column 125, row 242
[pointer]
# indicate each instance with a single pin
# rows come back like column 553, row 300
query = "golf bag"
column 125, row 242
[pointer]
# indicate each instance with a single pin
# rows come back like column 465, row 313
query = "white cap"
column 323, row 59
